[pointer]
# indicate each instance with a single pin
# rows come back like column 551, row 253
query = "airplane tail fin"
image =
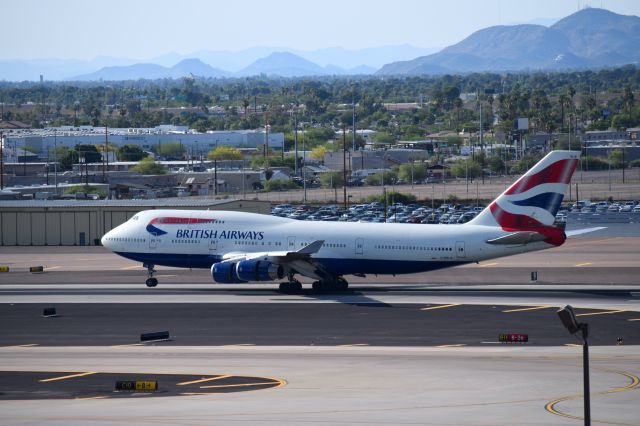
column 532, row 202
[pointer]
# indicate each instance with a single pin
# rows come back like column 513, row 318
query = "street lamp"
column 568, row 318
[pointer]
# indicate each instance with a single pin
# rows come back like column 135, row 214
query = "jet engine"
column 258, row 270
column 225, row 273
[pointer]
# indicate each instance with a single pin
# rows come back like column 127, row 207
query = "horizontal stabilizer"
column 521, row 237
column 583, row 231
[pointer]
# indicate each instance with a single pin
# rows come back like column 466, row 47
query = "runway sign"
column 137, row 385
column 513, row 338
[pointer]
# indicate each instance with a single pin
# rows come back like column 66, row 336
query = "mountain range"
column 222, row 63
column 590, row 38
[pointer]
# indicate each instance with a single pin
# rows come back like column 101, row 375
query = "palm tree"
column 245, row 104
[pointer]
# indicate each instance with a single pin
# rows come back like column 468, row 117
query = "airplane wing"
column 300, row 260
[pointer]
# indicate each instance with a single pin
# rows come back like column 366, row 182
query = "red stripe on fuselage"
column 558, row 172
column 179, row 220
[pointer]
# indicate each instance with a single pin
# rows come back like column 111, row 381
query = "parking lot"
column 620, row 212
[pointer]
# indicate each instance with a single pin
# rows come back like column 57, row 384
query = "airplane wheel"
column 151, row 282
column 290, row 287
column 342, row 284
column 284, row 287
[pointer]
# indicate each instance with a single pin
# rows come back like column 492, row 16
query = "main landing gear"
column 291, row 286
column 151, row 282
column 328, row 286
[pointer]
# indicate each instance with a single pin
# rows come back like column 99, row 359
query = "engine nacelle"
column 258, row 270
column 225, row 273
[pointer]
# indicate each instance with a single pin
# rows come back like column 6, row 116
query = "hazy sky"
column 142, row 29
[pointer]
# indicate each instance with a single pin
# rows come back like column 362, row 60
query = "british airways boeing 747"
column 241, row 247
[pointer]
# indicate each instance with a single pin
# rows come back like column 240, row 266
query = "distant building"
column 42, row 140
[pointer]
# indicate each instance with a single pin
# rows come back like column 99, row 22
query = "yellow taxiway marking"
column 634, row 319
column 70, row 376
column 240, row 385
column 488, row 264
column 238, row 344
column 572, row 345
column 452, row 346
column 353, row 344
column 91, row 397
column 535, row 308
column 207, row 379
column 131, row 267
column 600, row 313
column 440, row 307
column 127, row 344
column 583, row 264
column 635, row 381
column 48, row 268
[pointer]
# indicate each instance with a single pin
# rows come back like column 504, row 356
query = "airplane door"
column 460, row 252
column 291, row 243
column 153, row 242
column 360, row 246
column 213, row 246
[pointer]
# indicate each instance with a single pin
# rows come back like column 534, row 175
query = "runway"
column 418, row 349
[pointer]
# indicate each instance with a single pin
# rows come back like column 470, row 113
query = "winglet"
column 312, row 248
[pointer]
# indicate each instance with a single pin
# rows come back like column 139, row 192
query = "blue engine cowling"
column 258, row 270
column 225, row 273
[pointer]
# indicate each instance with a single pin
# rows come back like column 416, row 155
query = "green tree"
column 390, row 177
column 89, row 154
column 170, row 150
column 615, row 158
column 225, row 153
column 332, row 179
column 130, row 153
column 147, row 166
column 466, row 168
column 415, row 169
column 318, row 153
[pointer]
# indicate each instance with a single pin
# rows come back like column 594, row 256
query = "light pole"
column 2, row 159
column 568, row 318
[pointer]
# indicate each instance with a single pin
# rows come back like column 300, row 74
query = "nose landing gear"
column 151, row 282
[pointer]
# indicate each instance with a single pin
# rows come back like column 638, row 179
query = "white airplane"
column 241, row 247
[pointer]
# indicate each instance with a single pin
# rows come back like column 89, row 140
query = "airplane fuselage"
column 349, row 248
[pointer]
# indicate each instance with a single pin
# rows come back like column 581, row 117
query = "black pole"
column 215, row 176
column 295, row 142
column 1, row 160
column 344, row 163
column 585, row 367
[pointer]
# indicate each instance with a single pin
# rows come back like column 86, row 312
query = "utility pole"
column 295, row 142
column 1, row 160
column 304, row 167
column 344, row 163
column 55, row 160
column 215, row 177
column 105, row 159
column 353, row 101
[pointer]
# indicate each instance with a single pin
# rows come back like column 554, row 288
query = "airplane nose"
column 105, row 240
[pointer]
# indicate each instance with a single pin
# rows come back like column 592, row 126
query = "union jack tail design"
column 531, row 203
